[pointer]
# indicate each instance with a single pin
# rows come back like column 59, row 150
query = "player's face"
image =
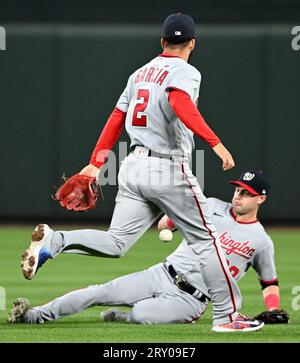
column 243, row 202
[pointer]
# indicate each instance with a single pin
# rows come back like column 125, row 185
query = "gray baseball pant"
column 152, row 294
column 147, row 186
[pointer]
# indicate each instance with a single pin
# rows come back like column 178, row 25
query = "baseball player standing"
column 158, row 110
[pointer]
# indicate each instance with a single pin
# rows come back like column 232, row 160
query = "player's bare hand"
column 90, row 170
column 162, row 224
column 225, row 156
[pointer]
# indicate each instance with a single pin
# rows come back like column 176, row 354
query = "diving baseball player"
column 172, row 292
column 159, row 113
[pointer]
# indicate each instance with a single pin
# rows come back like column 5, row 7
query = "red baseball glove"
column 79, row 193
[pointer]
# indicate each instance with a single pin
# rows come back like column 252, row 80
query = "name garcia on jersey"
column 153, row 74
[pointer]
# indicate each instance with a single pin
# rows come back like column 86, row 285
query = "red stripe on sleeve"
column 189, row 114
column 109, row 136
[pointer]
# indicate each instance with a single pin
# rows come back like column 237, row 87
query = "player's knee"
column 93, row 292
column 120, row 253
column 120, row 248
column 97, row 294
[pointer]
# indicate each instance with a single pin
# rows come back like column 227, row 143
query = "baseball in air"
column 165, row 235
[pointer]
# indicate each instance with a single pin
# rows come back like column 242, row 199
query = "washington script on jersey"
column 231, row 246
column 153, row 74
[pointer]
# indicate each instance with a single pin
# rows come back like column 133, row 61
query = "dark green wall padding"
column 58, row 85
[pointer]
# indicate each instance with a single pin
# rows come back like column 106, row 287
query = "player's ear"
column 192, row 43
column 261, row 199
column 162, row 42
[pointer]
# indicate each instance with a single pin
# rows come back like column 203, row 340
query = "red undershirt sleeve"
column 109, row 136
column 189, row 114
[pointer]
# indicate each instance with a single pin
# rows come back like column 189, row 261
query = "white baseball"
column 166, row 235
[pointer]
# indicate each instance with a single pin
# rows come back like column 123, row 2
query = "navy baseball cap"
column 254, row 182
column 178, row 28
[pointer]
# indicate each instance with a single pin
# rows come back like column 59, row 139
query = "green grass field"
column 69, row 272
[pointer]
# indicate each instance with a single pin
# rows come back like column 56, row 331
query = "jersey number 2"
column 142, row 98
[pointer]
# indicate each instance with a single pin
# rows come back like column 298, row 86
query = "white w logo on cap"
column 248, row 176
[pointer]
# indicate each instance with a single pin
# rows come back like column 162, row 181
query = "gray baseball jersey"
column 244, row 245
column 150, row 120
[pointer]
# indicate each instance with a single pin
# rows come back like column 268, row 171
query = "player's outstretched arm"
column 81, row 191
column 264, row 265
column 189, row 114
column 274, row 314
column 109, row 136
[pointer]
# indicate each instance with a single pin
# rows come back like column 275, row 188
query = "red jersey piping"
column 167, row 55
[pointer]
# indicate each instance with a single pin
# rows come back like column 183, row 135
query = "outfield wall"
column 59, row 83
column 155, row 11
